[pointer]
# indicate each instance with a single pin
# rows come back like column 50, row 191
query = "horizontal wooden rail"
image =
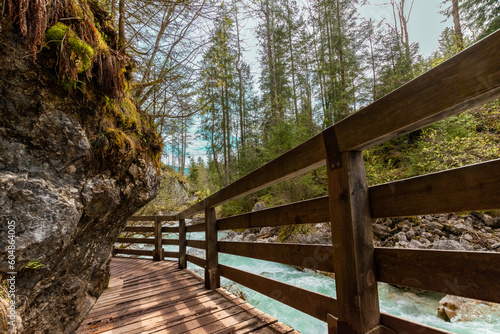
column 404, row 326
column 170, row 229
column 195, row 228
column 196, row 260
column 139, row 229
column 151, row 218
column 317, row 257
column 171, row 254
column 467, row 274
column 312, row 303
column 147, row 241
column 202, row 244
column 170, row 242
column 133, row 251
column 475, row 187
column 304, row 212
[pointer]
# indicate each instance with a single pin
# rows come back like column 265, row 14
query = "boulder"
column 464, row 309
column 448, row 245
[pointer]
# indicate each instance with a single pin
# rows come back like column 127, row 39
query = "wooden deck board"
column 156, row 297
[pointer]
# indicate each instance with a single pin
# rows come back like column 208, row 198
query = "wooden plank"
column 202, row 244
column 468, row 79
column 139, row 229
column 151, row 218
column 212, row 275
column 170, row 254
column 304, row 212
column 133, row 251
column 303, row 158
column 170, row 229
column 182, row 244
column 312, row 303
column 353, row 246
column 317, row 257
column 146, row 241
column 196, row 260
column 170, row 242
column 158, row 251
column 196, row 228
column 141, row 219
column 467, row 274
column 403, row 326
column 475, row 187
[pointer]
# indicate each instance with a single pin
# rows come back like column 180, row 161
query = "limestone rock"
column 68, row 207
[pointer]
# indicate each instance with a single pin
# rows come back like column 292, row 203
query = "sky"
column 424, row 26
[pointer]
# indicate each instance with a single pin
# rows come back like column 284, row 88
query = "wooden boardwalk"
column 157, row 297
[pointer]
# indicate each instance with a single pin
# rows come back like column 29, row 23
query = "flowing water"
column 420, row 307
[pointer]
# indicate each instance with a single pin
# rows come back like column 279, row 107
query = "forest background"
column 318, row 62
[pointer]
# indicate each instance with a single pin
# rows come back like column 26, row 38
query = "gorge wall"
column 77, row 158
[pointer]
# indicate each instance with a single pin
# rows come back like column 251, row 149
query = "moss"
column 80, row 49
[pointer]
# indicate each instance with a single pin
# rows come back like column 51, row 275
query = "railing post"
column 182, row 244
column 158, row 252
column 212, row 273
column 353, row 252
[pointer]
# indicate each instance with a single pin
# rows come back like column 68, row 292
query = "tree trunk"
column 121, row 25
column 456, row 22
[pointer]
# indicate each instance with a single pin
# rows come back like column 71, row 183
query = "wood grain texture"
column 404, row 326
column 475, row 187
column 304, row 212
column 353, row 246
column 170, row 242
column 196, row 260
column 169, row 301
column 212, row 275
column 182, row 244
column 196, row 228
column 467, row 274
column 201, row 244
column 170, row 229
column 312, row 303
column 317, row 257
column 468, row 79
column 158, row 251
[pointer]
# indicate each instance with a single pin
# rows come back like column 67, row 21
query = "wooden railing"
column 469, row 79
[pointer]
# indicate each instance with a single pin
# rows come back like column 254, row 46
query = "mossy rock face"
column 61, row 33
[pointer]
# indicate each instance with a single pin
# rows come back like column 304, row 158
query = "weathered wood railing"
column 464, row 81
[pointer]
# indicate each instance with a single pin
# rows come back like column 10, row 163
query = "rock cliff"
column 76, row 160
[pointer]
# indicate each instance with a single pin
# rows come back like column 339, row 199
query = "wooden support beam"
column 147, row 241
column 182, row 244
column 212, row 274
column 352, row 244
column 195, row 228
column 158, row 251
column 316, row 257
column 139, row 229
column 170, row 229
